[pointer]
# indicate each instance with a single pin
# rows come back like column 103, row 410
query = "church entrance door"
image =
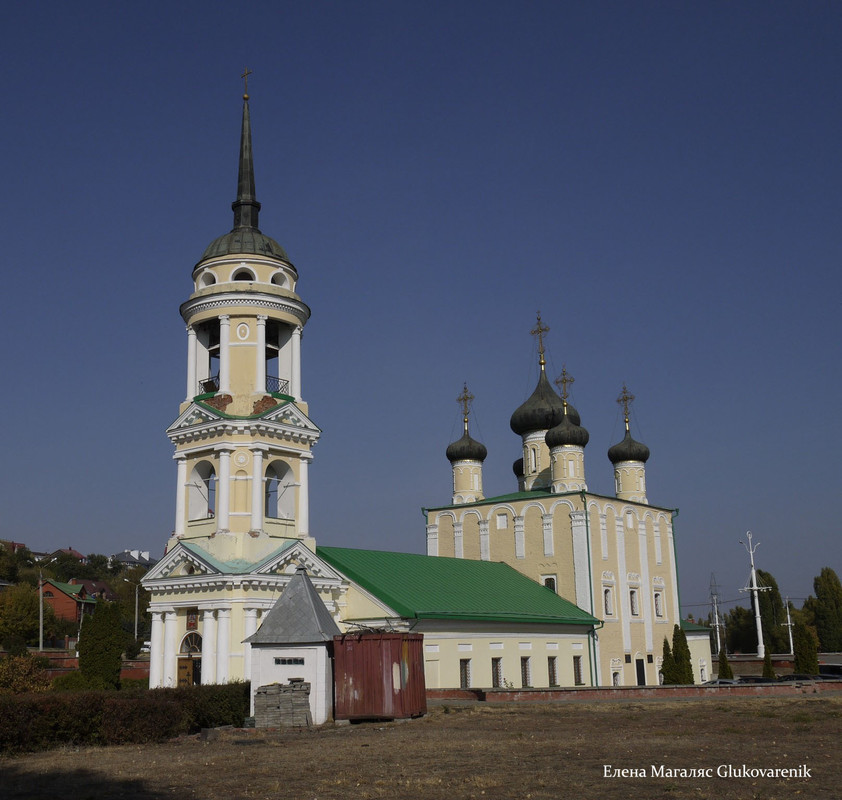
column 189, row 671
column 641, row 671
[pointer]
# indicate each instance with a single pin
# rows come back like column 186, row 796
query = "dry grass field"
column 474, row 751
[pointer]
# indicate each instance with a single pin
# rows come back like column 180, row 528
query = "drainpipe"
column 582, row 494
column 674, row 514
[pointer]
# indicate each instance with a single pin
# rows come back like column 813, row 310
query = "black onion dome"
column 517, row 468
column 542, row 411
column 466, row 449
column 567, row 432
column 628, row 450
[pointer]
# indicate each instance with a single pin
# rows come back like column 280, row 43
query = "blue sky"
column 662, row 180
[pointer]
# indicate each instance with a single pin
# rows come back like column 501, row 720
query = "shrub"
column 101, row 646
column 23, row 673
column 137, row 720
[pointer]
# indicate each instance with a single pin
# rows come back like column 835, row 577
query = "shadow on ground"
column 81, row 784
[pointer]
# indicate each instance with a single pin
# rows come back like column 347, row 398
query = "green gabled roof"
column 435, row 587
column 238, row 566
column 692, row 627
column 502, row 498
column 72, row 589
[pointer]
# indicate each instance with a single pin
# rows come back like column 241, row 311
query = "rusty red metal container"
column 379, row 676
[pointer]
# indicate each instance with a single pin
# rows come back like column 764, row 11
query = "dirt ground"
column 475, row 751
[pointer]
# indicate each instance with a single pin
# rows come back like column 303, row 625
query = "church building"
column 243, row 441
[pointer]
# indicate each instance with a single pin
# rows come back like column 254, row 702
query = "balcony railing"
column 278, row 385
column 209, row 385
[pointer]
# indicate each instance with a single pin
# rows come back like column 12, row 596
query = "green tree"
column 768, row 669
column 826, row 610
column 101, row 644
column 740, row 631
column 668, row 665
column 725, row 670
column 681, row 654
column 806, row 653
column 19, row 618
column 772, row 614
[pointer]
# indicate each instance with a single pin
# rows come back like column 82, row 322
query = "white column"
column 261, row 354
column 250, row 628
column 223, row 644
column 192, row 382
column 295, row 378
column 257, row 490
column 170, row 677
column 303, row 514
column 223, row 491
column 156, row 652
column 224, row 354
column 180, row 493
column 208, row 646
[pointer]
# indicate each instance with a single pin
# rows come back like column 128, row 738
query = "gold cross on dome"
column 625, row 400
column 539, row 330
column 564, row 380
column 464, row 399
column 245, row 77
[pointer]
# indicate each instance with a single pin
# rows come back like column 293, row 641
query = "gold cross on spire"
column 464, row 399
column 245, row 77
column 564, row 380
column 625, row 400
column 539, row 330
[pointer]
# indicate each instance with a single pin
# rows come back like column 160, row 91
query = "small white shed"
column 295, row 640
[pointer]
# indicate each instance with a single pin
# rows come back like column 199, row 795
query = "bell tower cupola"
column 566, row 442
column 629, row 459
column 243, row 438
column 466, row 456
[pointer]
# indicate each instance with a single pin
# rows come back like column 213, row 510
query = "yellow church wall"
column 470, row 535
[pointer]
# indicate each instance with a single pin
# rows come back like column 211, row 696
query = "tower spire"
column 246, row 207
column 625, row 400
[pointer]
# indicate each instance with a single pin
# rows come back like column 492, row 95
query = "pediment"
column 178, row 563
column 298, row 554
column 290, row 415
column 193, row 416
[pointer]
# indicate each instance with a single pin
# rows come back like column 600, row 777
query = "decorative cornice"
column 230, row 427
column 197, row 305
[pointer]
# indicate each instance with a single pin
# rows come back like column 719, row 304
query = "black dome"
column 542, row 411
column 244, row 240
column 567, row 432
column 628, row 450
column 466, row 449
column 517, row 468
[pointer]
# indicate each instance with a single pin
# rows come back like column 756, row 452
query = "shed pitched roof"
column 298, row 617
column 436, row 587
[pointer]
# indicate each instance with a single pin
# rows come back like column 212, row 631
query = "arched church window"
column 191, row 643
column 280, row 491
column 243, row 275
column 607, row 601
column 201, row 491
column 206, row 279
column 280, row 279
column 533, row 459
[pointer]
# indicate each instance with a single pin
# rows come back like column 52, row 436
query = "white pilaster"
column 520, row 539
column 156, row 651
column 295, row 378
column 458, row 549
column 180, row 493
column 192, row 351
column 646, row 595
column 581, row 565
column 257, row 492
column 547, row 525
column 208, row 646
column 484, row 541
column 432, row 539
column 223, row 643
column 623, row 607
column 223, row 489
column 224, row 354
column 170, row 676
column 261, row 354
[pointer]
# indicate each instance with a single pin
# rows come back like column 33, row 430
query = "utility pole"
column 755, row 593
column 714, row 599
column 40, row 611
column 788, row 626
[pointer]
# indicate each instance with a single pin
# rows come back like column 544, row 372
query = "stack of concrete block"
column 277, row 706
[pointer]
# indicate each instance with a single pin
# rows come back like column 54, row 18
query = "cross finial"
column 564, row 380
column 245, row 77
column 539, row 330
column 464, row 400
column 625, row 400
